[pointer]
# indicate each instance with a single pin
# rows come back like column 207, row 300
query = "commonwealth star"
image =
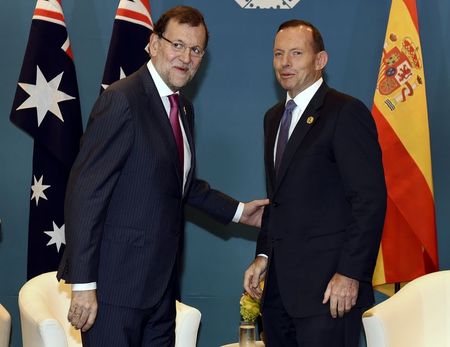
column 58, row 236
column 38, row 189
column 45, row 96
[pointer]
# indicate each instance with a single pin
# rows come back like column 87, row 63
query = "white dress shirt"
column 301, row 100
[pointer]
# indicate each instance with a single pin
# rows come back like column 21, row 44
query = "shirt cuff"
column 238, row 214
column 84, row 286
column 263, row 255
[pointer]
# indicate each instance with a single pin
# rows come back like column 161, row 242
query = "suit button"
column 275, row 204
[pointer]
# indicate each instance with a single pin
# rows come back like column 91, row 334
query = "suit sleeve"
column 358, row 157
column 262, row 245
column 104, row 149
column 217, row 204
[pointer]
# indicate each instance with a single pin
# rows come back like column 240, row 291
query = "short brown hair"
column 318, row 44
column 183, row 15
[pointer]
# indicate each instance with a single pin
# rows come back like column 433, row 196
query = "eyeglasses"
column 180, row 47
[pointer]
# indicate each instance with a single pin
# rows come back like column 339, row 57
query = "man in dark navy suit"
column 126, row 192
column 321, row 232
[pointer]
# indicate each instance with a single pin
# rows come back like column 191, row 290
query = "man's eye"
column 277, row 54
column 178, row 45
column 296, row 53
column 196, row 50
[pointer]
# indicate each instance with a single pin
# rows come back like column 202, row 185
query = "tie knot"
column 290, row 105
column 173, row 99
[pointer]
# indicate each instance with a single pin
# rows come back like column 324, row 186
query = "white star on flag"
column 44, row 95
column 58, row 236
column 38, row 189
column 122, row 75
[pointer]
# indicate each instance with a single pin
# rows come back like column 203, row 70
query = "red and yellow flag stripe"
column 409, row 247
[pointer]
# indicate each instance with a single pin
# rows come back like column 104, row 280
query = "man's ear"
column 153, row 44
column 321, row 60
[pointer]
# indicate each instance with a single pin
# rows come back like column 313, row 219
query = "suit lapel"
column 187, row 120
column 305, row 123
column 272, row 125
column 161, row 119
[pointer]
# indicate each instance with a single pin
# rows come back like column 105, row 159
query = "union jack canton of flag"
column 128, row 49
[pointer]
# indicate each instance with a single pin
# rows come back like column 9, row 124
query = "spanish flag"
column 408, row 247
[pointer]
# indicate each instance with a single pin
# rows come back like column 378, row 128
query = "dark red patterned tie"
column 175, row 122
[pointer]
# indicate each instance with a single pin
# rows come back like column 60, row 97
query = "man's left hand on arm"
column 341, row 292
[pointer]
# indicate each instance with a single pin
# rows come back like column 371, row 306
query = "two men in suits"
column 320, row 234
column 126, row 192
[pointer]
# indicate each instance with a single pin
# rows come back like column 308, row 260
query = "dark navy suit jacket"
column 124, row 200
column 327, row 202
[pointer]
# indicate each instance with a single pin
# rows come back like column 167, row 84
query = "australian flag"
column 47, row 107
column 128, row 49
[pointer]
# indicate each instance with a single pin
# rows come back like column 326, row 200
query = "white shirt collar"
column 303, row 98
column 161, row 86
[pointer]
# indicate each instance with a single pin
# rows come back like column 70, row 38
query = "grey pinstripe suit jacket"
column 124, row 199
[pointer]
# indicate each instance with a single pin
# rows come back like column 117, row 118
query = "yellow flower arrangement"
column 249, row 308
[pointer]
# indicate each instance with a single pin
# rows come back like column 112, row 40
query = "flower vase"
column 247, row 334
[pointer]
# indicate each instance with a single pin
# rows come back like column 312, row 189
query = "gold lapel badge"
column 310, row 120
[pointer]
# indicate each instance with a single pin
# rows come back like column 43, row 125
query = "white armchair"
column 5, row 327
column 44, row 303
column 187, row 323
column 418, row 315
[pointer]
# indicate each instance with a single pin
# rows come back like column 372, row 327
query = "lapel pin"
column 184, row 109
column 310, row 120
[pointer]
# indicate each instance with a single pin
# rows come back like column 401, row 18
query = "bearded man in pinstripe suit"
column 126, row 192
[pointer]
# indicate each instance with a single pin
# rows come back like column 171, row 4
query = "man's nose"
column 286, row 61
column 186, row 55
